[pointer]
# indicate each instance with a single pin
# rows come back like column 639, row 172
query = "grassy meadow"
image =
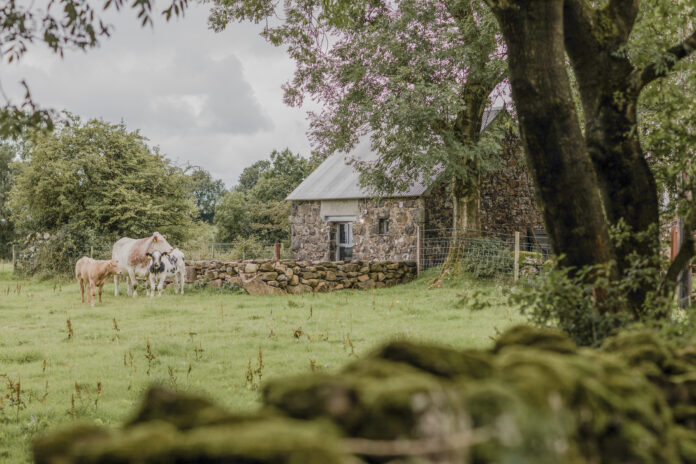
column 62, row 361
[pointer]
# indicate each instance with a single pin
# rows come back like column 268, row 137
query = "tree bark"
column 566, row 185
column 609, row 101
column 466, row 193
column 586, row 184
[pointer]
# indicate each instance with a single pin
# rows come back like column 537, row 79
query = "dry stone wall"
column 268, row 277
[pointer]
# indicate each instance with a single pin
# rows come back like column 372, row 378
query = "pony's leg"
column 133, row 282
column 92, row 293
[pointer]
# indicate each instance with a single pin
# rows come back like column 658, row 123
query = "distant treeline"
column 93, row 182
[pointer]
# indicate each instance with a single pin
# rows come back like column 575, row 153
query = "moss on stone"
column 536, row 396
column 543, row 339
column 271, row 440
column 186, row 411
column 443, row 362
column 371, row 398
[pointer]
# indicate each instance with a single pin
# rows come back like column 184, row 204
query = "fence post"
column 418, row 248
column 212, row 251
column 91, row 251
column 277, row 251
column 517, row 256
column 14, row 258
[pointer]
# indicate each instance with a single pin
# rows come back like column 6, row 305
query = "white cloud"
column 208, row 99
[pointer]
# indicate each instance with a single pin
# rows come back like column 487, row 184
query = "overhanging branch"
column 657, row 70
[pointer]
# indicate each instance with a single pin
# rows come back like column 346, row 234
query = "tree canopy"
column 59, row 25
column 101, row 179
column 411, row 76
column 206, row 192
column 7, row 154
column 257, row 206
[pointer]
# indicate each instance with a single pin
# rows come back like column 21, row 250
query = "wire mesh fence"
column 241, row 249
column 485, row 254
column 26, row 258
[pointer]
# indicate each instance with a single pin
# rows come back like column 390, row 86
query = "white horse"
column 132, row 258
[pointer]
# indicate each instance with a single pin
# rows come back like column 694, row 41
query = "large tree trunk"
column 466, row 192
column 566, row 184
column 609, row 99
column 586, row 185
column 466, row 222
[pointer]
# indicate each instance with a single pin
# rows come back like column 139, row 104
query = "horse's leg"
column 116, row 285
column 133, row 282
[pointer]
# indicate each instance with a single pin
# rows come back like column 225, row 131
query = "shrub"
column 591, row 304
column 55, row 255
column 487, row 257
column 247, row 248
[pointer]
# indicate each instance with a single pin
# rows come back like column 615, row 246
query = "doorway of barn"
column 344, row 241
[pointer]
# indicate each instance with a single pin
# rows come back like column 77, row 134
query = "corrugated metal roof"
column 335, row 179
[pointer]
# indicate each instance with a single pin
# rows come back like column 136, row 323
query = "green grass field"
column 203, row 342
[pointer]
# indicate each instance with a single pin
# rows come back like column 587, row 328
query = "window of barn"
column 383, row 228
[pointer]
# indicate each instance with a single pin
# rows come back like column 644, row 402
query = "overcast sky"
column 211, row 99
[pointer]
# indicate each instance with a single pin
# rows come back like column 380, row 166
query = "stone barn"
column 333, row 218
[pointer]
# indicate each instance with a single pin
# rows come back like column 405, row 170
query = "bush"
column 247, row 248
column 56, row 254
column 487, row 257
column 591, row 304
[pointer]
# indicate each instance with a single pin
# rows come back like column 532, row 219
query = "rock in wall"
column 268, row 277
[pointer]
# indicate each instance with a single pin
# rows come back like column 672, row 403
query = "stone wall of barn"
column 403, row 216
column 508, row 203
column 507, row 199
column 439, row 212
column 311, row 237
column 268, row 277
